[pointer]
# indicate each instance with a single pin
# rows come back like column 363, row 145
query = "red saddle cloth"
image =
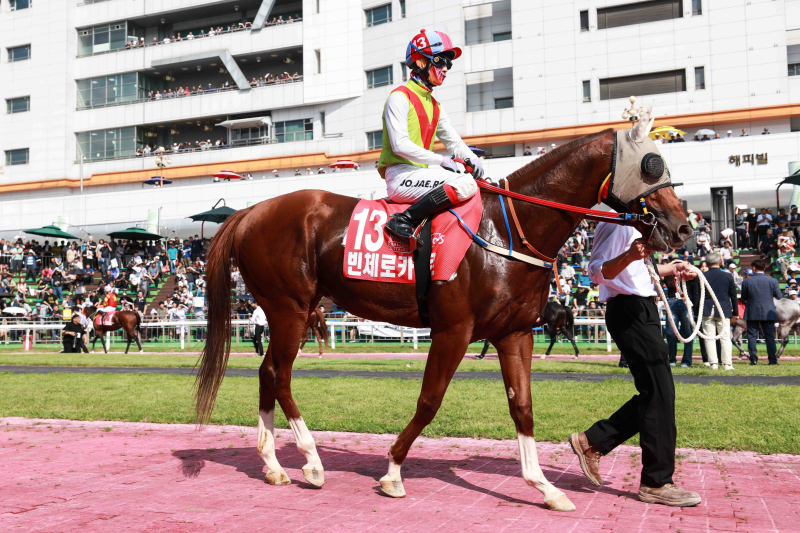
column 375, row 255
column 104, row 321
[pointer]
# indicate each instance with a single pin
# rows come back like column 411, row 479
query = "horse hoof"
column 141, row 351
column 393, row 488
column 561, row 503
column 542, row 356
column 314, row 475
column 278, row 478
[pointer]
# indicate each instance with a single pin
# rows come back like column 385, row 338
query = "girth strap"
column 533, row 250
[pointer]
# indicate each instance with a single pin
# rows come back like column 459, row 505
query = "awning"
column 253, row 122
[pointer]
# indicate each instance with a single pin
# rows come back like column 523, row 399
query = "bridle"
column 646, row 218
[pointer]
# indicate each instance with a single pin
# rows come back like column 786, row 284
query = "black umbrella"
column 794, row 179
column 477, row 151
column 157, row 180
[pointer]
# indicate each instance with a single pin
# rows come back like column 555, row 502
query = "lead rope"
column 703, row 284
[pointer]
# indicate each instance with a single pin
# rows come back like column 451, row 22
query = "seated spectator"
column 190, row 36
column 768, row 243
column 155, row 41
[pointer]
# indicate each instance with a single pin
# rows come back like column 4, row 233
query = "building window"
column 404, row 71
column 107, row 144
column 402, row 9
column 109, row 90
column 380, row 77
column 246, row 135
column 794, row 124
column 19, row 53
column 18, row 105
column 503, row 150
column 16, row 5
column 105, row 38
column 505, row 102
column 294, row 130
column 487, row 23
column 316, row 6
column 379, row 15
column 587, row 91
column 322, row 122
column 17, row 157
column 584, row 21
column 794, row 69
column 490, row 89
column 672, row 81
column 374, row 140
column 639, row 13
column 317, row 61
column 697, row 7
column 699, row 78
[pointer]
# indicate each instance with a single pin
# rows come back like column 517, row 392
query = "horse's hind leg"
column 319, row 339
column 283, row 346
column 515, row 362
column 266, row 422
column 568, row 334
column 447, row 350
column 553, row 336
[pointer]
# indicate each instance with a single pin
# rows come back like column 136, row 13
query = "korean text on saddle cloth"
column 373, row 254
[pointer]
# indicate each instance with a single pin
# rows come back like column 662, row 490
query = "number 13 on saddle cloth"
column 375, row 255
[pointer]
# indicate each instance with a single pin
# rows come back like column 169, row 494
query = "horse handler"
column 632, row 318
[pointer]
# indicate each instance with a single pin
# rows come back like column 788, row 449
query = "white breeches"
column 409, row 183
column 108, row 309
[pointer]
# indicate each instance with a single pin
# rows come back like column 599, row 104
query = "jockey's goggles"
column 441, row 61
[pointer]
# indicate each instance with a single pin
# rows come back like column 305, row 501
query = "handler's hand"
column 733, row 321
column 682, row 271
column 638, row 250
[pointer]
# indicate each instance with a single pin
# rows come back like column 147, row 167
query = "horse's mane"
column 556, row 154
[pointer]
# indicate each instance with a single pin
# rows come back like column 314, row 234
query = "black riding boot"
column 402, row 224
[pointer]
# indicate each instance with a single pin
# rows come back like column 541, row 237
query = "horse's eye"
column 652, row 166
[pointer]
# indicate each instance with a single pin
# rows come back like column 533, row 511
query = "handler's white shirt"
column 610, row 241
column 258, row 318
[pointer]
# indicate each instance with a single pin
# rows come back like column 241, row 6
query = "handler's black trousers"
column 259, row 346
column 634, row 325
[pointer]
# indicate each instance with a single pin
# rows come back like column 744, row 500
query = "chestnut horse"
column 319, row 328
column 290, row 252
column 126, row 320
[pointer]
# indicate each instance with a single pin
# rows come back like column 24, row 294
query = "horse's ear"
column 645, row 124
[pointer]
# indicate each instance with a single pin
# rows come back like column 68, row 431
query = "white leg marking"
column 312, row 471
column 391, row 483
column 266, row 448
column 533, row 475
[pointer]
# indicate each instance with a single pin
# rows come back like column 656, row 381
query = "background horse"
column 788, row 322
column 126, row 320
column 491, row 296
column 316, row 321
column 559, row 320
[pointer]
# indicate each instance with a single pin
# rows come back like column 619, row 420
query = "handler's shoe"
column 588, row 456
column 669, row 494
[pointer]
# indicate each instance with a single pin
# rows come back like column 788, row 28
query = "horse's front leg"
column 447, row 350
column 515, row 352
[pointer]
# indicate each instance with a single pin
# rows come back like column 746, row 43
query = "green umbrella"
column 51, row 231
column 135, row 234
column 217, row 215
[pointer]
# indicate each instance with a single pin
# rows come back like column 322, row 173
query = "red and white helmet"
column 429, row 45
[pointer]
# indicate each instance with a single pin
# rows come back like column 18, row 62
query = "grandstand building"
column 535, row 73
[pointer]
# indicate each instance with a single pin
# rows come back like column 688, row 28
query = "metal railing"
column 128, row 45
column 168, row 150
column 199, row 92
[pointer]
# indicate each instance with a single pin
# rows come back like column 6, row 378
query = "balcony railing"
column 171, row 150
column 135, row 45
column 188, row 93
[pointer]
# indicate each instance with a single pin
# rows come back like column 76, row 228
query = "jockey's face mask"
column 637, row 168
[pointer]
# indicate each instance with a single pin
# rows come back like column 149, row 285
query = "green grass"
column 763, row 419
column 786, row 368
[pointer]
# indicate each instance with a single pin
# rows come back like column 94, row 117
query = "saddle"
column 372, row 254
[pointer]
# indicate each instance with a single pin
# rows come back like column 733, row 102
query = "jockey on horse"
column 109, row 302
column 412, row 119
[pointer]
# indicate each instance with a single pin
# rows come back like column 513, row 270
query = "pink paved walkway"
column 60, row 475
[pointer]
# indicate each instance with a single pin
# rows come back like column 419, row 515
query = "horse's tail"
column 322, row 325
column 214, row 359
column 569, row 320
